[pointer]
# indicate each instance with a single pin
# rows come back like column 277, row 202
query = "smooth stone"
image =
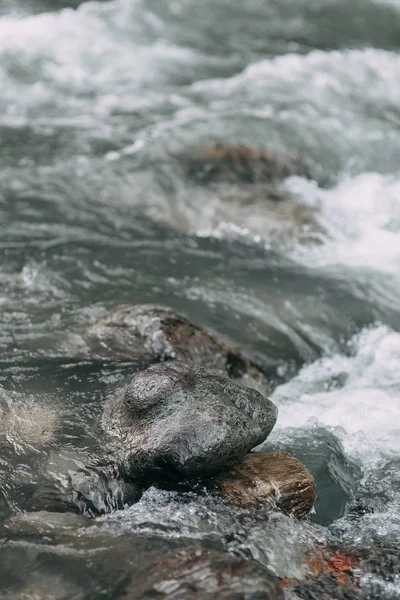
column 270, row 477
column 179, row 421
column 151, row 332
column 195, row 574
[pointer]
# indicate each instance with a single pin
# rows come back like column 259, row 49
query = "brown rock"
column 270, row 477
column 195, row 574
column 150, row 332
column 239, row 163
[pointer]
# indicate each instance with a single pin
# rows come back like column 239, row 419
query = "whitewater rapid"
column 100, row 105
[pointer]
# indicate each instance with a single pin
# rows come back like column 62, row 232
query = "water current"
column 101, row 106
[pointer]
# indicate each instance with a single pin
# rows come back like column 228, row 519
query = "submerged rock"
column 242, row 185
column 264, row 210
column 239, row 163
column 193, row 574
column 177, row 420
column 151, row 332
column 68, row 556
column 329, row 575
column 270, row 477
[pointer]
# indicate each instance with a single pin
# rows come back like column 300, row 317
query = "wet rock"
column 374, row 538
column 151, row 332
column 239, row 163
column 66, row 559
column 270, row 477
column 262, row 209
column 204, row 575
column 328, row 575
column 177, row 420
column 336, row 476
column 322, row 588
column 243, row 186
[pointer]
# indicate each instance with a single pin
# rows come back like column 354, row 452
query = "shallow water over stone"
column 103, row 105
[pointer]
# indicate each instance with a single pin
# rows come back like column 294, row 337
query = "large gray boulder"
column 177, row 421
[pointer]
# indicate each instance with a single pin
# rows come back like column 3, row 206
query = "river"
column 101, row 104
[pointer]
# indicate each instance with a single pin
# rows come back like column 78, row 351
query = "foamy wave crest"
column 318, row 76
column 358, row 395
column 362, row 219
column 317, row 104
column 88, row 59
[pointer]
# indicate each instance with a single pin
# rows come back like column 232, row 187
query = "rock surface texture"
column 177, row 421
column 151, row 332
column 204, row 575
column 273, row 477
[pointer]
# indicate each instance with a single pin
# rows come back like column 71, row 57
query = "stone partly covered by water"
column 242, row 164
column 175, row 180
column 152, row 332
column 177, row 420
column 270, row 477
column 195, row 574
column 243, row 183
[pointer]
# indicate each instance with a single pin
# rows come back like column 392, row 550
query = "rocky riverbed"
column 199, row 282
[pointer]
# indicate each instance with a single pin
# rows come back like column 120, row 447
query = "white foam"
column 318, row 75
column 118, row 53
column 327, row 86
column 365, row 409
column 362, row 218
column 88, row 60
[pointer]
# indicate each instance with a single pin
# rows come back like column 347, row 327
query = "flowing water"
column 101, row 103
